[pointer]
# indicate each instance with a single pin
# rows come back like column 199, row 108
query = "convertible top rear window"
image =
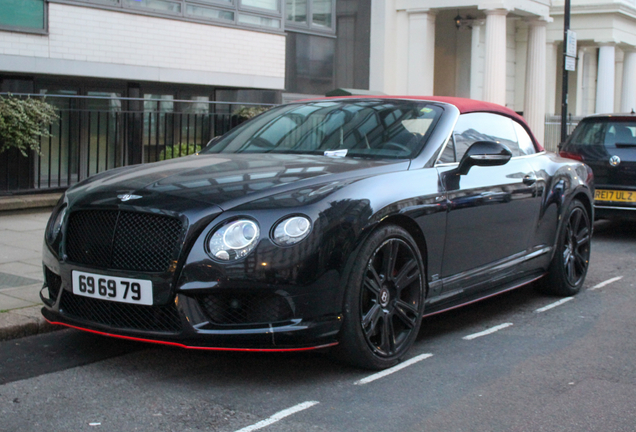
column 369, row 128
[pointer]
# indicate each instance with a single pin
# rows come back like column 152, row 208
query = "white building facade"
column 506, row 51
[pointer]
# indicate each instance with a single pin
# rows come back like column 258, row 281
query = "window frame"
column 234, row 6
column 309, row 26
column 452, row 142
column 31, row 30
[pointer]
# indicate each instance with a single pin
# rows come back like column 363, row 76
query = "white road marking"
column 555, row 304
column 607, row 282
column 394, row 369
column 279, row 416
column 487, row 332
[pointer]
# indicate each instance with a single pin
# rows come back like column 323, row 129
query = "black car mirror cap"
column 484, row 153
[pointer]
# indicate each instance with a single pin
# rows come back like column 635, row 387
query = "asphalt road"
column 568, row 368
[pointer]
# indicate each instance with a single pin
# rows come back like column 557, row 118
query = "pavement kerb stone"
column 28, row 321
column 21, row 202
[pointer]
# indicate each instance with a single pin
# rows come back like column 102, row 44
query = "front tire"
column 568, row 268
column 384, row 300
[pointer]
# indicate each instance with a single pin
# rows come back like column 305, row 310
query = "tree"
column 23, row 122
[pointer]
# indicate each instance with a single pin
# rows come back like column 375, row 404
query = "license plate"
column 614, row 195
column 118, row 289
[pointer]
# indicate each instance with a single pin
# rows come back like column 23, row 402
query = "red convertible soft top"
column 464, row 106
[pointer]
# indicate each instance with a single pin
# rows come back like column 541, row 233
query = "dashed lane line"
column 487, row 332
column 553, row 305
column 607, row 282
column 279, row 416
column 394, row 369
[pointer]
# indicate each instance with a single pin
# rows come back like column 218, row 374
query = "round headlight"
column 234, row 240
column 292, row 230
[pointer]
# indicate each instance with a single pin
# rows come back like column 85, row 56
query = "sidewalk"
column 21, row 237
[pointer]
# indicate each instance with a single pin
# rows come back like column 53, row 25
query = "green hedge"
column 23, row 122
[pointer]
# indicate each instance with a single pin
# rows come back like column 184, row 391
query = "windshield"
column 360, row 128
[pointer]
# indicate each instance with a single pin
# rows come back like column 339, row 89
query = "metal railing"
column 94, row 134
column 552, row 137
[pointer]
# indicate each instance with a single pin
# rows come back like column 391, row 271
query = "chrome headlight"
column 56, row 225
column 234, row 240
column 292, row 230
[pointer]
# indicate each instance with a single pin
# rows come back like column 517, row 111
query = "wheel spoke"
column 387, row 343
column 406, row 275
column 571, row 270
column 391, row 250
column 374, row 273
column 583, row 237
column 406, row 312
column 581, row 261
column 372, row 285
column 370, row 320
column 575, row 220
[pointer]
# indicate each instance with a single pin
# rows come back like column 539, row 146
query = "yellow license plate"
column 614, row 195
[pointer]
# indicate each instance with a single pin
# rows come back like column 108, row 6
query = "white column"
column 476, row 62
column 628, row 96
column 580, row 84
column 605, row 81
column 382, row 39
column 421, row 59
column 495, row 61
column 551, row 77
column 534, row 103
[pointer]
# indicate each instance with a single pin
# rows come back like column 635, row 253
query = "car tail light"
column 571, row 155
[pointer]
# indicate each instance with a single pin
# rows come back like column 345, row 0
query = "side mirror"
column 484, row 153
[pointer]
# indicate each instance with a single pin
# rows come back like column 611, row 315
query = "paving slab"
column 30, row 293
column 22, row 269
column 21, row 239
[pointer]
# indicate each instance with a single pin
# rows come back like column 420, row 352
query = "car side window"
column 448, row 155
column 474, row 127
column 526, row 146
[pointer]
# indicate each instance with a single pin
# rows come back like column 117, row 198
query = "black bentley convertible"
column 330, row 223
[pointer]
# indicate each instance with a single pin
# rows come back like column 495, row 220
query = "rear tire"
column 384, row 300
column 571, row 260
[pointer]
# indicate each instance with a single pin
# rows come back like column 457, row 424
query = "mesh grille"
column 122, row 240
column 53, row 282
column 246, row 308
column 121, row 315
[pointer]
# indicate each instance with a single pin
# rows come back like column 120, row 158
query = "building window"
column 268, row 5
column 314, row 15
column 263, row 14
column 23, row 15
column 157, row 5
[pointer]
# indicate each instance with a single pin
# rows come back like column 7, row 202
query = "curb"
column 22, row 202
column 19, row 323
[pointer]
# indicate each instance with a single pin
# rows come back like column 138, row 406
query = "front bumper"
column 213, row 316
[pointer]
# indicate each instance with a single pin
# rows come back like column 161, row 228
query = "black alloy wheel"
column 572, row 258
column 576, row 251
column 385, row 300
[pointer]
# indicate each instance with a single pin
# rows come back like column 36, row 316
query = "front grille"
column 124, row 316
column 233, row 309
column 123, row 240
column 53, row 282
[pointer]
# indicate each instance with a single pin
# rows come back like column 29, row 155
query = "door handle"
column 530, row 179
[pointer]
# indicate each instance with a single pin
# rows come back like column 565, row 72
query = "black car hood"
column 222, row 180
